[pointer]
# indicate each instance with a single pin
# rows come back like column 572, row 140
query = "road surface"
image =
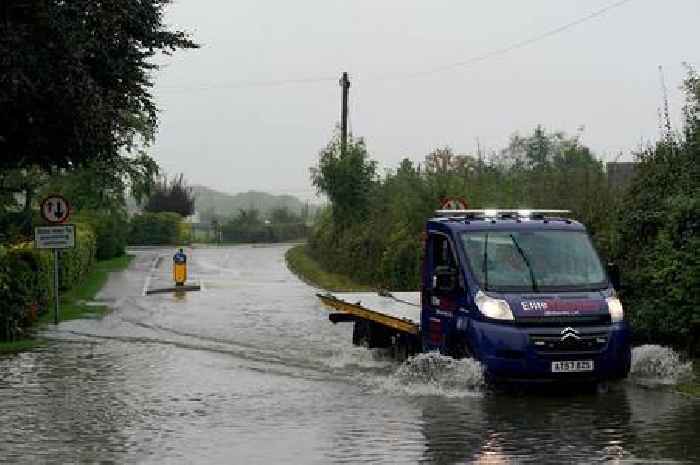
column 249, row 370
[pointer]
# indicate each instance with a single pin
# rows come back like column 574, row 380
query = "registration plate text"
column 572, row 366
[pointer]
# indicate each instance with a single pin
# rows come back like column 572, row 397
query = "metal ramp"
column 399, row 310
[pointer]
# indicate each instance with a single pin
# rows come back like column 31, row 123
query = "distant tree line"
column 281, row 224
column 372, row 229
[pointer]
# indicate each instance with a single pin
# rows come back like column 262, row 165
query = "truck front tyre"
column 360, row 332
column 371, row 335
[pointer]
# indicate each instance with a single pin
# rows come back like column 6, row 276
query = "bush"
column 111, row 231
column 154, row 229
column 26, row 279
column 25, row 288
column 77, row 262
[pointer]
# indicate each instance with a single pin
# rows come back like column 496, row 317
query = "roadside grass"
column 692, row 388
column 20, row 345
column 311, row 272
column 75, row 303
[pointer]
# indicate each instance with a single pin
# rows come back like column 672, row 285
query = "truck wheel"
column 400, row 349
column 360, row 330
column 378, row 337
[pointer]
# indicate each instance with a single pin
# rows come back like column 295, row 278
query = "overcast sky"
column 224, row 128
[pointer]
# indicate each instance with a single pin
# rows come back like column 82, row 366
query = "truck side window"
column 446, row 278
column 442, row 251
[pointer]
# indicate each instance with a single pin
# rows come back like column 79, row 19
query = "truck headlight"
column 493, row 308
column 615, row 309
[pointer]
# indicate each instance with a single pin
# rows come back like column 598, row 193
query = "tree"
column 347, row 179
column 171, row 196
column 75, row 78
column 659, row 232
column 282, row 215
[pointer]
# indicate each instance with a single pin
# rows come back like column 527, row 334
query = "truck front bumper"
column 510, row 352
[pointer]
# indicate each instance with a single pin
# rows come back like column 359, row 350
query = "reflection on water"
column 250, row 371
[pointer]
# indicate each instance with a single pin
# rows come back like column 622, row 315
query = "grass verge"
column 21, row 345
column 311, row 272
column 75, row 303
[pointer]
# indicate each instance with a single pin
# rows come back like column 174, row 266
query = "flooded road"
column 249, row 370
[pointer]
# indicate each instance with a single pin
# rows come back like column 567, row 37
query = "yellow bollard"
column 180, row 268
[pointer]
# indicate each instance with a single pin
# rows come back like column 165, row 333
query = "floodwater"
column 250, row 370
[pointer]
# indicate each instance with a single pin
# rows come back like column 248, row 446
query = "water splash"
column 433, row 374
column 359, row 357
column 654, row 365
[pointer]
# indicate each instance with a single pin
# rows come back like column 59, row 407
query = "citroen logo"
column 569, row 333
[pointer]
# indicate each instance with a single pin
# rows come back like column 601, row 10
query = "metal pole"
column 56, row 297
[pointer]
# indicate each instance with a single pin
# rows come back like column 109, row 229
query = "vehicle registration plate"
column 572, row 366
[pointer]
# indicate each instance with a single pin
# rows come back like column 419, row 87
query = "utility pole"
column 345, row 86
column 666, row 121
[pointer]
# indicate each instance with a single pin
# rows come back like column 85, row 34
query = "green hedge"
column 111, row 230
column 26, row 279
column 154, row 229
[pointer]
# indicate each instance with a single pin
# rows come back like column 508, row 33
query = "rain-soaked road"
column 250, row 371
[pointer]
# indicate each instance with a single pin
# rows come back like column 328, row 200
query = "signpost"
column 55, row 209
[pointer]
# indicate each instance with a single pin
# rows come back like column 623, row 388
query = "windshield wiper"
column 527, row 262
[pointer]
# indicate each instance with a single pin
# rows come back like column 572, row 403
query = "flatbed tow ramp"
column 380, row 320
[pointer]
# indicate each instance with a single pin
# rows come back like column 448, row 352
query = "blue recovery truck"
column 522, row 291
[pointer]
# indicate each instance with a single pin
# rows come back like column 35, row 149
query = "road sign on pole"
column 55, row 209
column 54, row 237
column 453, row 203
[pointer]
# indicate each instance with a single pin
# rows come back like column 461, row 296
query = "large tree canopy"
column 75, row 78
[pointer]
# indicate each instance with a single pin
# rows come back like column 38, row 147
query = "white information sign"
column 55, row 237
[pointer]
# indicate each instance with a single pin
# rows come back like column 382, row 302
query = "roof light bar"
column 491, row 213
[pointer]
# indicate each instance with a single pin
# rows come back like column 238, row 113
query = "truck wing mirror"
column 445, row 279
column 614, row 275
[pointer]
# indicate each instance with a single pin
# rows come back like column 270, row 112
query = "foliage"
column 171, row 196
column 382, row 247
column 111, row 231
column 347, row 179
column 75, row 78
column 658, row 225
column 215, row 205
column 249, row 226
column 154, row 228
column 26, row 283
column 98, row 186
column 77, row 262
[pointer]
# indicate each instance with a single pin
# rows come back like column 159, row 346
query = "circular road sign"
column 453, row 203
column 55, row 209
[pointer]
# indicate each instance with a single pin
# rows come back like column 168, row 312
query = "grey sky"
column 601, row 74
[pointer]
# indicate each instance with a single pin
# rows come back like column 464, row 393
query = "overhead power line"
column 407, row 75
column 521, row 44
column 248, row 84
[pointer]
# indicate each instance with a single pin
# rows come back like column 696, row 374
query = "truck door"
column 441, row 292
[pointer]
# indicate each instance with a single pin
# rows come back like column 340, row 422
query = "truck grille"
column 556, row 343
column 563, row 321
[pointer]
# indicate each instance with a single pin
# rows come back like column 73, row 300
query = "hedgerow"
column 26, row 279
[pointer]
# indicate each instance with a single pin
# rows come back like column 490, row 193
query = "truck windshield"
column 530, row 261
